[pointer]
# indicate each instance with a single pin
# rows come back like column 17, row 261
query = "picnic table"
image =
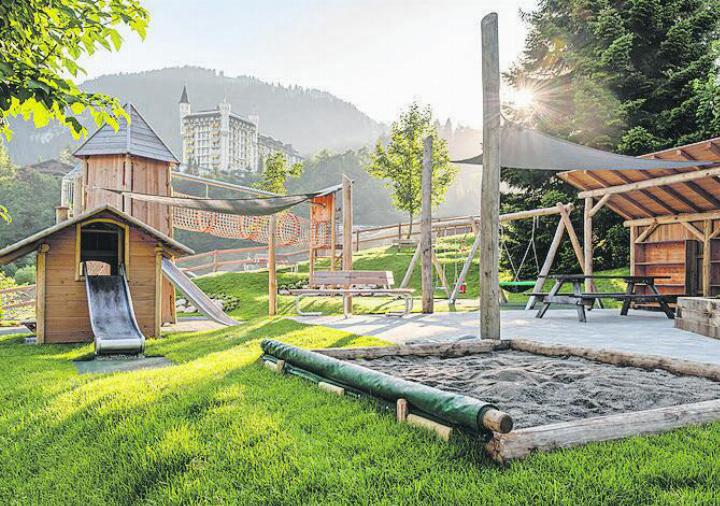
column 580, row 299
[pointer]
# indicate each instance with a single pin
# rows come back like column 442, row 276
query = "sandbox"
column 553, row 396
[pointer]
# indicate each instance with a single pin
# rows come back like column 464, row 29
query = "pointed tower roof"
column 184, row 97
column 136, row 138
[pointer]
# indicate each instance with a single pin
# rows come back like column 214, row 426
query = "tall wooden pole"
column 347, row 253
column 588, row 242
column 426, row 228
column 272, row 266
column 490, row 189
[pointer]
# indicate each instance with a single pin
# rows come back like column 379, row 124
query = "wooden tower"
column 135, row 159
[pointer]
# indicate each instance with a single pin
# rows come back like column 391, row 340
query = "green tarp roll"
column 453, row 409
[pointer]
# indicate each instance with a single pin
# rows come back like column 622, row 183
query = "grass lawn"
column 216, row 427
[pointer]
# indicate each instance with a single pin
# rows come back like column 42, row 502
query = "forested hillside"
column 309, row 119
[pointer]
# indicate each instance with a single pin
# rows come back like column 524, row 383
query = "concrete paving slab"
column 640, row 332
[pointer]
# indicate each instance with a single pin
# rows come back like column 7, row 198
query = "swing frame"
column 564, row 224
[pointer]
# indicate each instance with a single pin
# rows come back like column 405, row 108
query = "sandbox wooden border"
column 522, row 442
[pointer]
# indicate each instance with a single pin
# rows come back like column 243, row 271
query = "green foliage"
column 25, row 275
column 400, row 162
column 40, row 44
column 30, row 197
column 277, row 172
column 630, row 77
column 326, row 168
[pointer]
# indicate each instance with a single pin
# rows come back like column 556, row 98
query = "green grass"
column 217, row 428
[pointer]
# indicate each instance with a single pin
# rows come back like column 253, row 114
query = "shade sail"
column 260, row 206
column 523, row 148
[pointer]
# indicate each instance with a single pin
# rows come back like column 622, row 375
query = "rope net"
column 292, row 230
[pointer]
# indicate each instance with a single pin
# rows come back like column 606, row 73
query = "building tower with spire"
column 220, row 139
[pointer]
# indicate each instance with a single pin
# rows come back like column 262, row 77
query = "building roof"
column 274, row 143
column 30, row 244
column 134, row 138
column 649, row 194
column 216, row 112
column 184, row 97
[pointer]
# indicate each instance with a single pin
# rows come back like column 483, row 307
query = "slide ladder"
column 200, row 300
column 112, row 317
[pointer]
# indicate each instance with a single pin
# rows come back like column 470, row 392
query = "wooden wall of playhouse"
column 678, row 250
column 137, row 174
column 65, row 298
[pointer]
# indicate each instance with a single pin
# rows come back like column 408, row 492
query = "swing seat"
column 516, row 286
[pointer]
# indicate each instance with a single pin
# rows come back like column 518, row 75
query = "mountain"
column 308, row 119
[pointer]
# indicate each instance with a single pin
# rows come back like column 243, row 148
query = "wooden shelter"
column 673, row 216
column 112, row 241
column 133, row 159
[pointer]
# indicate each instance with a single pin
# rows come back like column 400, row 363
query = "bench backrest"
column 352, row 278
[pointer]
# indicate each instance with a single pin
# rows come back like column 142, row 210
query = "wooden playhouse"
column 110, row 241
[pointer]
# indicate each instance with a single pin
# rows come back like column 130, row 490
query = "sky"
column 377, row 54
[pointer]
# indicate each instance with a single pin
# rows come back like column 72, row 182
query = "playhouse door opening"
column 101, row 248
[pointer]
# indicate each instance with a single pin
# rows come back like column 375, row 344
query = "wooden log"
column 347, row 253
column 522, row 442
column 158, row 291
column 41, row 292
column 441, row 274
column 278, row 367
column 706, row 259
column 450, row 349
column 620, row 358
column 651, row 183
column 645, row 233
column 330, row 388
column 490, row 184
column 402, row 410
column 497, row 421
column 426, row 247
column 577, row 249
column 272, row 266
column 465, row 269
column 411, row 268
column 547, row 264
column 442, row 431
column 675, row 218
column 588, row 243
column 599, row 205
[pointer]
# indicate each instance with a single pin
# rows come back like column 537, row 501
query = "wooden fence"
column 17, row 303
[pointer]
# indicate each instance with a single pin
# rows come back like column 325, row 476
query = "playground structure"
column 103, row 242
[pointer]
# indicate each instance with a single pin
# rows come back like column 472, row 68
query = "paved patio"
column 640, row 332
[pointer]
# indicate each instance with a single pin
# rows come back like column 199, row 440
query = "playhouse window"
column 101, row 248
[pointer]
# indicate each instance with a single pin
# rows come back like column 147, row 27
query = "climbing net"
column 292, row 230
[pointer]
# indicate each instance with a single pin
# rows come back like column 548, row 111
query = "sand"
column 538, row 390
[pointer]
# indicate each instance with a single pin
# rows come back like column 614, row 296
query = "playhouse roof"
column 30, row 244
column 642, row 195
column 134, row 138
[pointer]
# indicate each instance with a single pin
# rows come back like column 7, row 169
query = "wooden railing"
column 17, row 303
column 235, row 260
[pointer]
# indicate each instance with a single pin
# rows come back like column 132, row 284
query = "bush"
column 25, row 275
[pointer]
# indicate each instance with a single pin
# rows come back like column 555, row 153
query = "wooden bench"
column 352, row 284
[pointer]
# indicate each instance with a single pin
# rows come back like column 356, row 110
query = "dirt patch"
column 538, row 390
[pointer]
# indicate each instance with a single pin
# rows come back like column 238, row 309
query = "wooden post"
column 272, row 267
column 411, row 268
column 547, row 264
column 333, row 237
column 588, row 242
column 707, row 259
column 158, row 290
column 40, row 292
column 490, row 186
column 215, row 260
column 633, row 239
column 347, row 235
column 426, row 228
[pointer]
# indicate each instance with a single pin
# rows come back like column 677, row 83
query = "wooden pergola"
column 673, row 216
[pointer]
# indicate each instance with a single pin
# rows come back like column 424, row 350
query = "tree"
column 40, row 44
column 277, row 172
column 399, row 163
column 625, row 76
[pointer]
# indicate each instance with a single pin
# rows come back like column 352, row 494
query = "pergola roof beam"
column 651, row 183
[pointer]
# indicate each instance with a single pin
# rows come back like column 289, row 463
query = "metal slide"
column 112, row 317
column 201, row 301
